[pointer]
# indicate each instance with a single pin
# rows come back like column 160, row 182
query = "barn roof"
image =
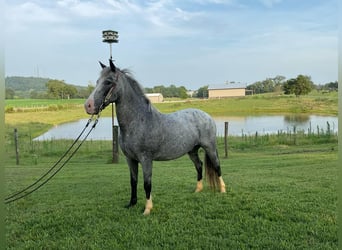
column 229, row 86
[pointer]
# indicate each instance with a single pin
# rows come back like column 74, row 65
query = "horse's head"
column 105, row 91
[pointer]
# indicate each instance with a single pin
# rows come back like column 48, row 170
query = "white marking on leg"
column 148, row 206
column 199, row 186
column 222, row 185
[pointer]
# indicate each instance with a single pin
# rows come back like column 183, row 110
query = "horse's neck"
column 130, row 108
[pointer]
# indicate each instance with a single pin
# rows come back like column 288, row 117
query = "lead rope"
column 36, row 185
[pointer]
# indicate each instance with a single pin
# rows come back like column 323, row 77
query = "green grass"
column 280, row 196
column 259, row 104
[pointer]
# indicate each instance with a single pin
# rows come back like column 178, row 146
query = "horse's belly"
column 156, row 150
column 171, row 150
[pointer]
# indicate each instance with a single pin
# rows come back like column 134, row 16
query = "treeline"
column 301, row 85
column 170, row 91
column 43, row 88
column 60, row 90
column 21, row 87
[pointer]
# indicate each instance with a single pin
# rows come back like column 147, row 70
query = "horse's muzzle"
column 89, row 107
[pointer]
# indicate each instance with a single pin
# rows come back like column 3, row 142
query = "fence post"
column 16, row 146
column 115, row 144
column 225, row 139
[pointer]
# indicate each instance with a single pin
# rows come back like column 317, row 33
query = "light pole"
column 111, row 36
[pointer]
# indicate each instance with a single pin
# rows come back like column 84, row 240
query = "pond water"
column 238, row 125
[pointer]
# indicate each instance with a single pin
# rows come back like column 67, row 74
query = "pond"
column 238, row 125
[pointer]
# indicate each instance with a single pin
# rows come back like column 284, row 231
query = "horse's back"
column 193, row 119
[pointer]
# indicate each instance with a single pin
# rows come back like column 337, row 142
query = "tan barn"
column 155, row 97
column 227, row 90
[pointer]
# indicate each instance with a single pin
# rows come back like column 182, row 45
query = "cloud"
column 85, row 9
column 218, row 37
column 23, row 15
column 270, row 3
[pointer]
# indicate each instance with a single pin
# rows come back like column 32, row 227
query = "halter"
column 110, row 92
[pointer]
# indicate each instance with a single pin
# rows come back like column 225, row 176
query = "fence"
column 33, row 151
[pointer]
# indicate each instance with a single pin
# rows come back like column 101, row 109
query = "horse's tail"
column 211, row 173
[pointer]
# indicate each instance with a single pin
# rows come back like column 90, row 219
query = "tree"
column 279, row 80
column 331, row 86
column 202, row 92
column 301, row 85
column 55, row 88
column 60, row 90
column 268, row 85
column 69, row 91
column 289, row 86
column 182, row 93
column 9, row 93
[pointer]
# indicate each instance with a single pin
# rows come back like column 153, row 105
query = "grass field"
column 314, row 103
column 282, row 189
column 280, row 196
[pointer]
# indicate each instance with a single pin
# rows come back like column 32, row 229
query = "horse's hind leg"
column 198, row 164
column 147, row 171
column 213, row 169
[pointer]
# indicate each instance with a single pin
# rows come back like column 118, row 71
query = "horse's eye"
column 107, row 82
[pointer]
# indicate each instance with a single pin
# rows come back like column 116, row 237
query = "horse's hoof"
column 222, row 185
column 199, row 186
column 148, row 206
column 130, row 204
column 147, row 212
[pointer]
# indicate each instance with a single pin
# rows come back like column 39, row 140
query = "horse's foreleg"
column 133, row 167
column 147, row 170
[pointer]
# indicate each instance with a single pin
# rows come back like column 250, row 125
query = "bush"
column 52, row 107
column 9, row 109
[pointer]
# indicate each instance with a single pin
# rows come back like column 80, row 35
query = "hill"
column 23, row 87
column 19, row 83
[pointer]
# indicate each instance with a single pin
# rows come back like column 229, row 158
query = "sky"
column 186, row 43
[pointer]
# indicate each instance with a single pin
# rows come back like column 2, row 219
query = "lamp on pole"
column 111, row 36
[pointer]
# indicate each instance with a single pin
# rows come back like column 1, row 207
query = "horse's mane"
column 137, row 88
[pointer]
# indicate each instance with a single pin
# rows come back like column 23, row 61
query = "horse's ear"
column 102, row 65
column 112, row 66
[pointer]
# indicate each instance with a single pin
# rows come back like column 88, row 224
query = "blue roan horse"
column 147, row 135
